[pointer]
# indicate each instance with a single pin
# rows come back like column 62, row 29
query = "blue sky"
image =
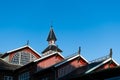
column 92, row 24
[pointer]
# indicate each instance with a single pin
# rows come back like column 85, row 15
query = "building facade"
column 25, row 63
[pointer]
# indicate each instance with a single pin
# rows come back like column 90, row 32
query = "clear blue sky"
column 92, row 24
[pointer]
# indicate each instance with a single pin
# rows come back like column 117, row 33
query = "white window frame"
column 24, row 76
column 8, row 78
column 23, row 57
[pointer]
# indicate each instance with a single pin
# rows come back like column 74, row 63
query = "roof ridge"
column 69, row 56
column 74, row 54
column 22, row 48
column 99, row 59
column 45, row 56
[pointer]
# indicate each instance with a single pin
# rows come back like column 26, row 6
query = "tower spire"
column 51, row 37
column 52, row 47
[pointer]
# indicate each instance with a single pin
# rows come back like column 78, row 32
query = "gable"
column 71, row 58
column 26, row 50
column 48, row 61
column 75, row 62
column 22, row 55
column 70, row 66
column 107, row 65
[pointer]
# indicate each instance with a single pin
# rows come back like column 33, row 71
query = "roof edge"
column 22, row 48
column 90, row 70
column 48, row 56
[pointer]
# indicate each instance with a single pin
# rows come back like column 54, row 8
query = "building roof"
column 79, row 71
column 107, row 74
column 7, row 66
column 100, row 64
column 87, row 69
column 51, row 35
column 17, row 49
column 53, row 48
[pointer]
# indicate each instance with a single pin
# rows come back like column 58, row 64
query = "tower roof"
column 51, row 35
column 53, row 48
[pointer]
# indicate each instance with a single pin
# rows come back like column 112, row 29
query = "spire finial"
column 110, row 53
column 79, row 50
column 51, row 28
column 51, row 24
column 27, row 42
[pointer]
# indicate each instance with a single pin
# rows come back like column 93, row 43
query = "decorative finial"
column 27, row 42
column 111, row 53
column 51, row 27
column 51, row 24
column 79, row 50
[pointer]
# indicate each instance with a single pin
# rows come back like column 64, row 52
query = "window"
column 24, row 76
column 8, row 78
column 44, row 78
column 23, row 58
column 16, row 57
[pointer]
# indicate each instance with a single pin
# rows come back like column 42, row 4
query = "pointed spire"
column 79, row 50
column 51, row 41
column 51, row 35
column 110, row 55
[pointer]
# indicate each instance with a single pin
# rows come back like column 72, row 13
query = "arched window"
column 23, row 58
